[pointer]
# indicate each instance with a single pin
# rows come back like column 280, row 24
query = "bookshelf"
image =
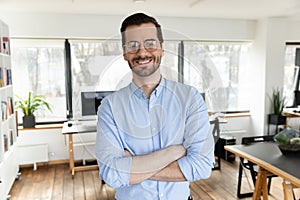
column 8, row 126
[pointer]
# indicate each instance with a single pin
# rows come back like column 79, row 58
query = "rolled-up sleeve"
column 114, row 167
column 198, row 141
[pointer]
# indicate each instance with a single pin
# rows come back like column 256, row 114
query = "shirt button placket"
column 151, row 102
column 161, row 195
column 153, row 130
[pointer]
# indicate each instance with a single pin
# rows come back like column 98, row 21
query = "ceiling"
column 228, row 9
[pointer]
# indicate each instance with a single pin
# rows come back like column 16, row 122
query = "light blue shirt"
column 174, row 114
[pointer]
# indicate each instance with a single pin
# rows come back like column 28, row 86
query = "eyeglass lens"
column 134, row 46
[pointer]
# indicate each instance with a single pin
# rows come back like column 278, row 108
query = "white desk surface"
column 73, row 127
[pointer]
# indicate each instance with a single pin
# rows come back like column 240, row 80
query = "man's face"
column 142, row 49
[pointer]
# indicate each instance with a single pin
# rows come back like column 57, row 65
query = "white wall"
column 275, row 51
column 257, row 59
column 97, row 26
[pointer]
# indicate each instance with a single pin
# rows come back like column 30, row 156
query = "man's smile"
column 143, row 61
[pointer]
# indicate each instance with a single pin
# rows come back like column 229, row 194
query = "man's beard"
column 147, row 70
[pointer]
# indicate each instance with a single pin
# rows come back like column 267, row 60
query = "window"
column 218, row 70
column 38, row 65
column 290, row 70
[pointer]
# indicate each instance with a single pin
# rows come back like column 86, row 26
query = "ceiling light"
column 139, row 1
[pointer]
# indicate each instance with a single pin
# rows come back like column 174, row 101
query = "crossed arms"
column 160, row 165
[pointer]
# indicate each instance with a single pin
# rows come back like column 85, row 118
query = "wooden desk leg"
column 261, row 186
column 287, row 191
column 71, row 151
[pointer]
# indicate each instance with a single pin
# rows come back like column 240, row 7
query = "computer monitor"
column 297, row 98
column 90, row 101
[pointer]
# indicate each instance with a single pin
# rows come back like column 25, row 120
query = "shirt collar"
column 160, row 86
column 139, row 93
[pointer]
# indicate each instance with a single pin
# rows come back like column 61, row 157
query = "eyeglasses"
column 134, row 46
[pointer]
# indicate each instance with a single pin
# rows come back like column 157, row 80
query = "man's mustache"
column 142, row 58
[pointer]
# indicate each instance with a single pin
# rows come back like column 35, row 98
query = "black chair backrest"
column 263, row 138
column 216, row 128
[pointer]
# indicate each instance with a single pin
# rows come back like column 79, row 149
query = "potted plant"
column 29, row 105
column 278, row 103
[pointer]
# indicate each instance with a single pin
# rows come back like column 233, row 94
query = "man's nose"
column 142, row 49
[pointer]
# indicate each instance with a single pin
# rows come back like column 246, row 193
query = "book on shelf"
column 4, row 110
column 6, row 45
column 4, row 39
column 5, row 77
column 1, row 29
column 1, row 77
column 5, row 138
column 9, row 106
column 11, row 136
column 8, row 77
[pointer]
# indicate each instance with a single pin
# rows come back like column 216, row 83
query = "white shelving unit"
column 8, row 126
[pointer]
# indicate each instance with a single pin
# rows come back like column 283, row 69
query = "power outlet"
column 51, row 154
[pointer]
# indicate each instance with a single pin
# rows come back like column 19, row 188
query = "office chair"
column 216, row 134
column 245, row 164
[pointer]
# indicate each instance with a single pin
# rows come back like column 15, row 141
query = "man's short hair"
column 138, row 19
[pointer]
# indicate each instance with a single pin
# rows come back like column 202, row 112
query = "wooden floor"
column 55, row 182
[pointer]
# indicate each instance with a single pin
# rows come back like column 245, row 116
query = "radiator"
column 32, row 154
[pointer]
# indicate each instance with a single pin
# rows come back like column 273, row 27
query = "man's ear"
column 125, row 56
column 162, row 50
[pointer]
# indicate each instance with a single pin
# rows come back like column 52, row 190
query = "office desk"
column 70, row 128
column 269, row 158
column 290, row 113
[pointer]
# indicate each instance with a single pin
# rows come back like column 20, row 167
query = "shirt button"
column 161, row 194
column 153, row 129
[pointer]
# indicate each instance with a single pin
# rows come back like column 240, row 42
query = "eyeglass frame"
column 139, row 46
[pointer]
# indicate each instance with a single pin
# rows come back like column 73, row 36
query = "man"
column 153, row 135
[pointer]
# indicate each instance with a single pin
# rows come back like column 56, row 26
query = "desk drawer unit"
column 223, row 141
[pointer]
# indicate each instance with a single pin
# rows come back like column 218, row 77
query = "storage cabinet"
column 223, row 141
column 8, row 125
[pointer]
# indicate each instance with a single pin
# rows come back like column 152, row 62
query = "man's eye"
column 133, row 45
column 150, row 44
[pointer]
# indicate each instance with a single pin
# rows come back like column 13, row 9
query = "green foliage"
column 277, row 101
column 287, row 136
column 32, row 103
column 295, row 140
column 282, row 139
